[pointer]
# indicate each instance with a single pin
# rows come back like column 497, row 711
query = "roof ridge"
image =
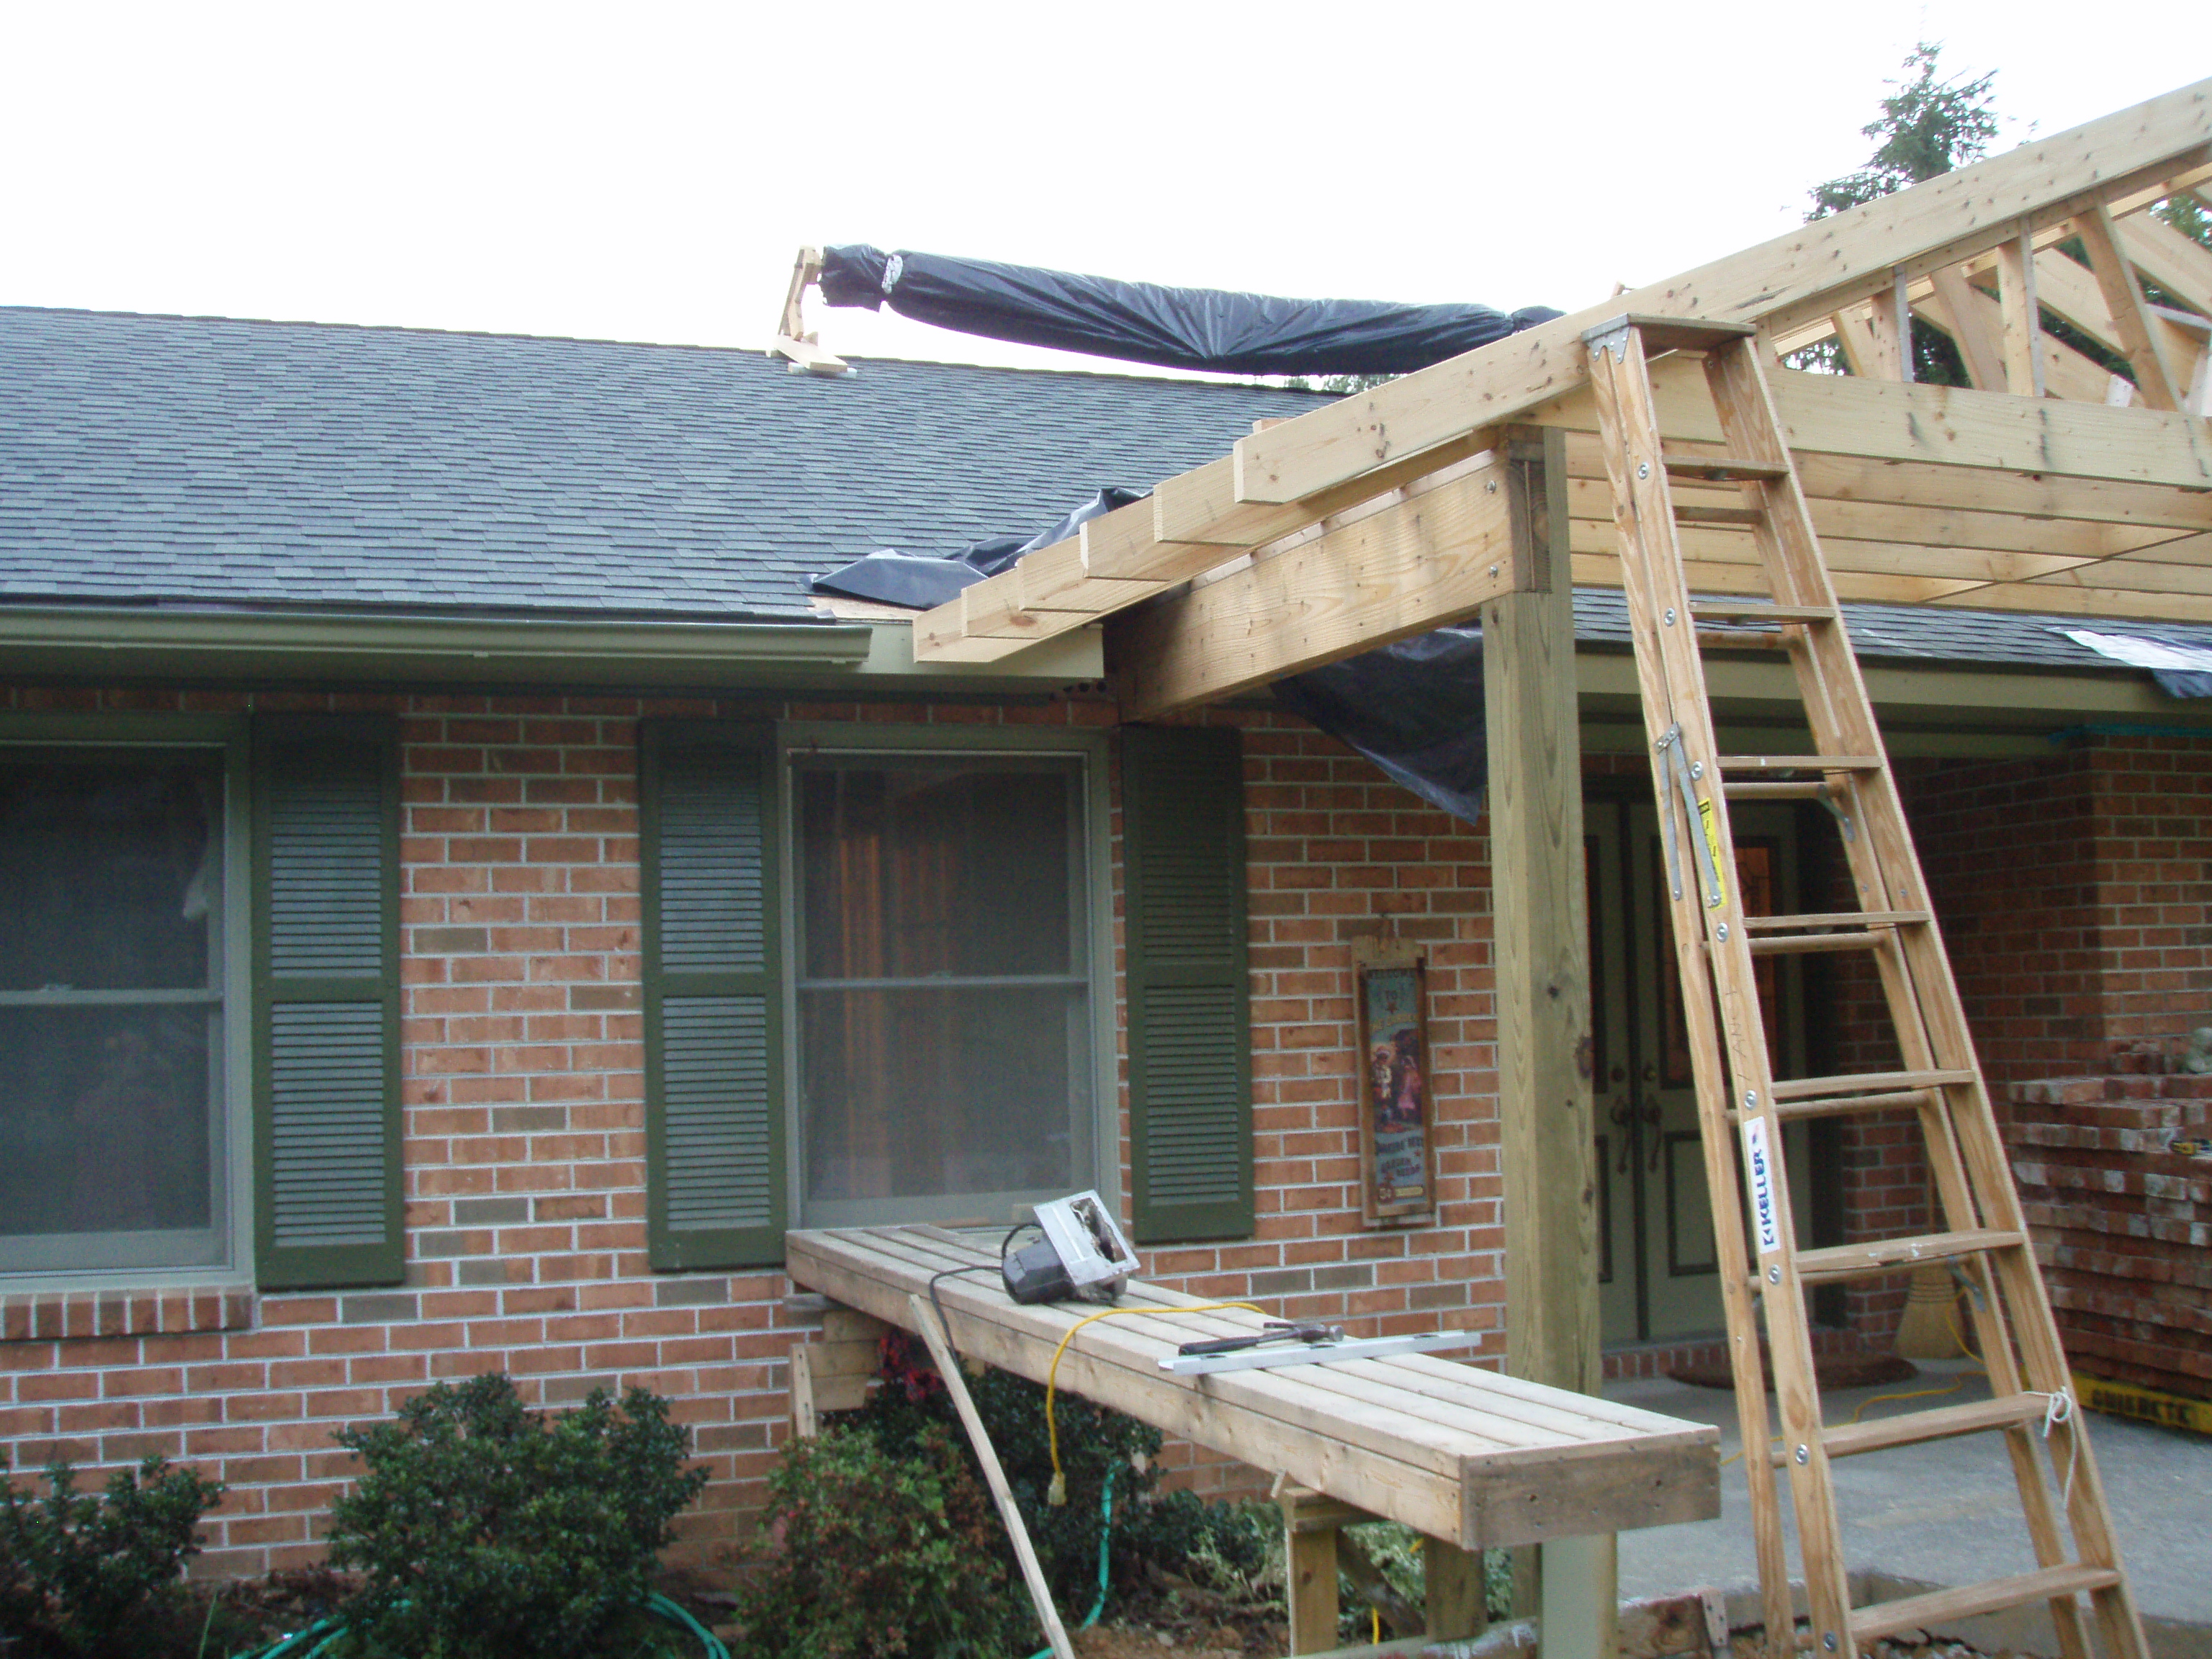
column 1246, row 384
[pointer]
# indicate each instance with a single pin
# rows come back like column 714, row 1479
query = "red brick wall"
column 524, row 1143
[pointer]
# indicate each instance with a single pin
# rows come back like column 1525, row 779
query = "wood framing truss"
column 2054, row 485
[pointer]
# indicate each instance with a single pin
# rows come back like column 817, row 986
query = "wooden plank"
column 806, row 1421
column 1430, row 556
column 2144, row 347
column 1201, row 506
column 948, row 1371
column 1815, row 269
column 1940, row 1608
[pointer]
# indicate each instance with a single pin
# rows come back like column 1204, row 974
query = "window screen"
column 944, row 995
column 111, row 1010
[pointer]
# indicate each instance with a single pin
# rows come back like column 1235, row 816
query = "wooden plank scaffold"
column 1470, row 1459
column 1744, row 1106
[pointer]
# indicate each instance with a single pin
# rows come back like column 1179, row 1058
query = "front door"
column 1657, row 1265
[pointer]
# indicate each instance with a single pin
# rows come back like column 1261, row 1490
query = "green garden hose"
column 1105, row 1536
column 323, row 1631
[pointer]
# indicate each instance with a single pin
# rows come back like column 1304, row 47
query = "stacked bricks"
column 2123, row 1219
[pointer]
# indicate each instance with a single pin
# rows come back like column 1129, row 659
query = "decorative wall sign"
column 1397, row 1152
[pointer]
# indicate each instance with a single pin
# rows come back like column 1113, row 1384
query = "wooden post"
column 1540, row 910
column 948, row 1367
column 1309, row 1565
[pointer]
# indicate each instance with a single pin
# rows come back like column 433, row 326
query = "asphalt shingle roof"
column 210, row 461
column 195, row 458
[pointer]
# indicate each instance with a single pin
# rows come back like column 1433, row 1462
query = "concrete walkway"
column 1946, row 1512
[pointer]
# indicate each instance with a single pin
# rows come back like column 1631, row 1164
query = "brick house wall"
column 2074, row 892
column 523, row 1094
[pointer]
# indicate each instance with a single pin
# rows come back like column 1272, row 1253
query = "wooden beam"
column 1427, row 555
column 1979, row 350
column 2116, row 278
column 2181, row 266
column 2023, row 316
column 1839, row 414
column 1815, row 271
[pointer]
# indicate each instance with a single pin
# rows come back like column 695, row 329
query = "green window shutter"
column 714, row 995
column 326, row 1129
column 1189, row 995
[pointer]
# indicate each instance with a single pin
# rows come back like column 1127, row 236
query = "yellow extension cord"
column 1950, row 1319
column 1058, row 1493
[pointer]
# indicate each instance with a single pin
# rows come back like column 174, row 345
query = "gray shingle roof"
column 193, row 458
column 204, row 460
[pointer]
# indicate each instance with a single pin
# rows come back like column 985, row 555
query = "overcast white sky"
column 645, row 172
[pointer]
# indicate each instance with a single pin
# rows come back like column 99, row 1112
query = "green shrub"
column 79, row 1574
column 876, row 1554
column 486, row 1530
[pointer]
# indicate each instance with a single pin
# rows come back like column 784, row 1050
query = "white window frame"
column 798, row 741
column 22, row 734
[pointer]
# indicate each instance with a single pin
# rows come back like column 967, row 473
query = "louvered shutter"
column 714, row 996
column 1189, row 1000
column 326, row 1002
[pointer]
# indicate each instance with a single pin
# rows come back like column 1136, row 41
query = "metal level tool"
column 1301, row 1345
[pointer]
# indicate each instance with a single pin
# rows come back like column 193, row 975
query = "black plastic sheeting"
column 1415, row 709
column 1169, row 327
column 2183, row 682
column 923, row 580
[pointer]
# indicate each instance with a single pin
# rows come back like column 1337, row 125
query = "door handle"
column 1623, row 1116
column 1652, row 1118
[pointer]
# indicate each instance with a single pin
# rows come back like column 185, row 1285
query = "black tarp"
column 1415, row 709
column 1169, row 327
column 923, row 580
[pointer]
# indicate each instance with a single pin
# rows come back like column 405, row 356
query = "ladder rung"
column 1881, row 1256
column 1831, row 919
column 1942, row 1606
column 1799, row 763
column 1791, row 789
column 1722, row 469
column 1811, row 1088
column 1759, row 610
column 1743, row 639
column 1686, row 513
column 1808, row 945
column 1795, row 1112
column 1867, row 930
column 1916, row 1428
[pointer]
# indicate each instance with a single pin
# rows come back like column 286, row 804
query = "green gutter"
column 76, row 641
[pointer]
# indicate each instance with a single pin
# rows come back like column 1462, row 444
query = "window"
column 944, row 986
column 117, row 953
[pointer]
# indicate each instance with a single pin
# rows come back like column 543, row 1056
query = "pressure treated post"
column 1542, row 956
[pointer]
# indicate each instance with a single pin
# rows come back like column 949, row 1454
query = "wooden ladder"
column 1743, row 1108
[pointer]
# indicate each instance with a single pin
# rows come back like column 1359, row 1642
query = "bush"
column 876, row 1554
column 79, row 1574
column 487, row 1531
